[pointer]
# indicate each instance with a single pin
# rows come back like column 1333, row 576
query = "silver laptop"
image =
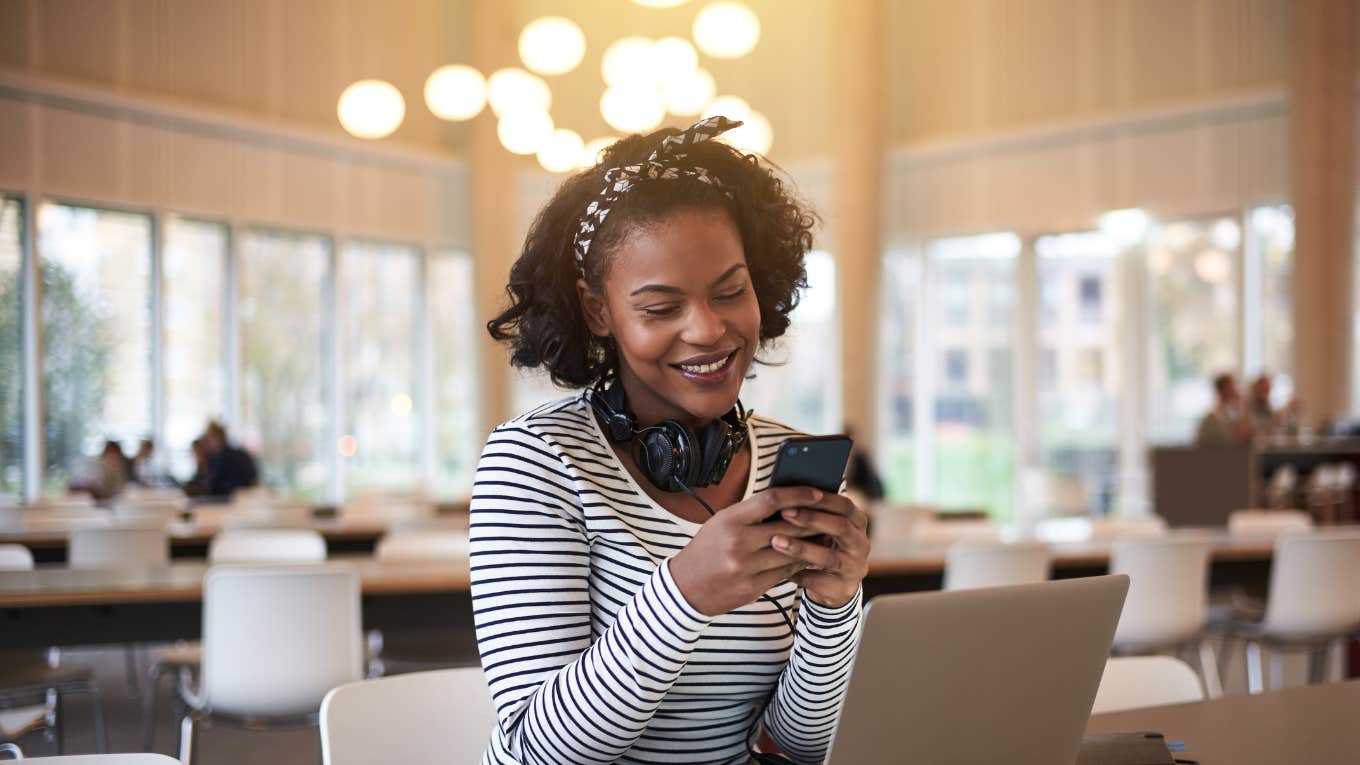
column 1001, row 674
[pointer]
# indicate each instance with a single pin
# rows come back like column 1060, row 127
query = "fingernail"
column 780, row 542
column 790, row 513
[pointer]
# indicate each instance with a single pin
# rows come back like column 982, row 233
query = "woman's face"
column 679, row 303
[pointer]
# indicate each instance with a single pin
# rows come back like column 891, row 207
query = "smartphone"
column 817, row 461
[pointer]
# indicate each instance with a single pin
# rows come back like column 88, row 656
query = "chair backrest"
column 1268, row 523
column 248, row 545
column 1146, row 681
column 1313, row 585
column 422, row 545
column 118, row 547
column 422, row 718
column 277, row 638
column 936, row 532
column 1168, row 590
column 974, row 564
column 15, row 558
column 282, row 515
column 106, row 759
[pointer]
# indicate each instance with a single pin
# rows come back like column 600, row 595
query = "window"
column 282, row 312
column 195, row 266
column 1271, row 229
column 11, row 346
column 1078, row 421
column 380, row 430
column 453, row 341
column 972, row 439
column 802, row 385
column 1193, row 322
column 96, row 319
column 956, row 366
column 899, row 301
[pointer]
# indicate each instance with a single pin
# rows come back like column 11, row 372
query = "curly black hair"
column 544, row 323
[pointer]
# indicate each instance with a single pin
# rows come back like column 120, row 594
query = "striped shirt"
column 592, row 653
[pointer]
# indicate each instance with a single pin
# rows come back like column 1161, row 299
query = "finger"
column 819, row 556
column 757, row 508
column 843, row 506
column 847, row 535
column 759, row 535
column 770, row 561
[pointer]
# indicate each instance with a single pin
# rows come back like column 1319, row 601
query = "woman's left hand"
column 839, row 560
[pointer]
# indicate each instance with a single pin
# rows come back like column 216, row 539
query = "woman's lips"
column 714, row 377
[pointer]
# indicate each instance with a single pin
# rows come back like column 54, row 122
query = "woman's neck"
column 649, row 408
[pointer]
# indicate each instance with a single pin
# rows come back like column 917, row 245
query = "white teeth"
column 704, row 369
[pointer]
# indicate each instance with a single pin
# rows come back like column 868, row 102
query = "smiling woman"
column 619, row 615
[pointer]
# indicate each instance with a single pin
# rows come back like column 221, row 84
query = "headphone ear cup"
column 688, row 456
column 655, row 457
column 715, row 454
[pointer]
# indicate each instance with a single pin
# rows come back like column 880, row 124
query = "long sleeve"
column 562, row 695
column 802, row 715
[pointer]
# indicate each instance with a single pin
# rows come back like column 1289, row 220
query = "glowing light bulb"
column 524, row 131
column 730, row 107
column 561, row 152
column 590, row 153
column 690, row 94
column 726, row 30
column 552, row 45
column 455, row 92
column 514, row 90
column 371, row 109
column 753, row 136
column 633, row 109
column 629, row 61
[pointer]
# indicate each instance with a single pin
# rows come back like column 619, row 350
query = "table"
column 1315, row 725
column 59, row 606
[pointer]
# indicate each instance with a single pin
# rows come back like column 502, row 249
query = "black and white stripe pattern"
column 592, row 653
column 664, row 163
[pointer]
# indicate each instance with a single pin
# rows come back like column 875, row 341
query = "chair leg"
column 1317, row 663
column 101, row 733
column 186, row 740
column 61, row 722
column 1276, row 670
column 1225, row 656
column 149, row 703
column 1255, row 667
column 1208, row 669
column 134, row 679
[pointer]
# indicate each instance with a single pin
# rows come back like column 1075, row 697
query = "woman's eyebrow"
column 669, row 290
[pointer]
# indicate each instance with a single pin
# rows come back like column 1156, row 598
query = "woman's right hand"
column 729, row 562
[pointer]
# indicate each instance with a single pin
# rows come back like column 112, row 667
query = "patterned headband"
column 665, row 163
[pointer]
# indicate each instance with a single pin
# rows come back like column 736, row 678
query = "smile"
column 709, row 371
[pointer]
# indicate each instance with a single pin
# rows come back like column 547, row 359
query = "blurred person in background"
column 861, row 475
column 229, row 467
column 1228, row 423
column 200, row 484
column 103, row 476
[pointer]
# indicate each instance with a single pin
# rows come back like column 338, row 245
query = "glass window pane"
column 1272, row 229
column 454, row 335
column 380, row 286
column 898, row 300
column 195, row 265
column 96, row 318
column 801, row 385
column 11, row 346
column 283, row 405
column 971, row 328
column 1192, row 277
column 1078, row 386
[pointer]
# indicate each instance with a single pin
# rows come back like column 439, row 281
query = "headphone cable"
column 785, row 614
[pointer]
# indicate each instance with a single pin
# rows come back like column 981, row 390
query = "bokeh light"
column 552, row 45
column 561, row 151
column 513, row 90
column 726, row 30
column 371, row 109
column 455, row 92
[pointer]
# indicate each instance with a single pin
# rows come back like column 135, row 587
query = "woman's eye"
column 733, row 295
column 659, row 312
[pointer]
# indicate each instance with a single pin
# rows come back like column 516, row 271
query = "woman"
column 618, row 618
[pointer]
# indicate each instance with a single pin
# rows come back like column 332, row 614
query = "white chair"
column 1268, row 523
column 934, row 532
column 415, row 545
column 15, row 558
column 1312, row 604
column 118, row 547
column 1168, row 597
column 233, row 546
column 254, row 545
column 275, row 641
column 421, row 718
column 1145, row 681
column 28, row 676
column 105, row 760
column 968, row 565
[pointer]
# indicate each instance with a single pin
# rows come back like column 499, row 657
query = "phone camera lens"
column 805, row 450
column 792, row 451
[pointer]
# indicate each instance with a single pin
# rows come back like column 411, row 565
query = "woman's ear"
column 594, row 308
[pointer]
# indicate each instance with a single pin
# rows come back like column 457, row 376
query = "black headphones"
column 670, row 454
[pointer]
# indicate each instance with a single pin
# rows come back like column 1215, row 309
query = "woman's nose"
column 705, row 327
